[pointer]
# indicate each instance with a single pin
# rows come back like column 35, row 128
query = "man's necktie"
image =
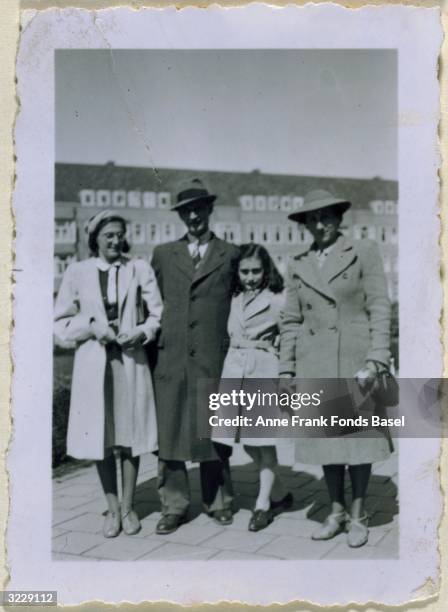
column 196, row 255
column 112, row 284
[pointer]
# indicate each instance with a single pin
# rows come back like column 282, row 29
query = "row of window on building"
column 119, row 198
column 155, row 233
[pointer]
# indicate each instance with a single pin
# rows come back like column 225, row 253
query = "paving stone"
column 171, row 552
column 231, row 539
column 97, row 506
column 123, row 548
column 233, row 555
column 63, row 502
column 302, row 513
column 75, row 542
column 60, row 516
column 287, row 527
column 390, row 542
column 87, row 523
column 343, row 551
column 296, row 548
column 80, row 490
column 57, row 531
column 194, row 533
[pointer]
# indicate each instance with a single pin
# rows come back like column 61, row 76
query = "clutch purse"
column 385, row 390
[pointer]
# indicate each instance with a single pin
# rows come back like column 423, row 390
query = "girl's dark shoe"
column 260, row 519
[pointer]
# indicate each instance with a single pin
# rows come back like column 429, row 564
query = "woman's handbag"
column 385, row 390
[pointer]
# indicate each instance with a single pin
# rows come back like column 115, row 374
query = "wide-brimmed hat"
column 92, row 224
column 317, row 199
column 192, row 190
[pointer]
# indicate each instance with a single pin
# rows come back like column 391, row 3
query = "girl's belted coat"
column 253, row 354
column 336, row 317
column 79, row 300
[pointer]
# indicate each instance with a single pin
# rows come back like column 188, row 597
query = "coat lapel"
column 260, row 303
column 338, row 259
column 307, row 269
column 125, row 275
column 182, row 258
column 214, row 258
column 94, row 289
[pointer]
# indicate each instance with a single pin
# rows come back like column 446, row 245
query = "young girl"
column 253, row 330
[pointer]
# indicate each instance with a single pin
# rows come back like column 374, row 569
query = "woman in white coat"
column 109, row 306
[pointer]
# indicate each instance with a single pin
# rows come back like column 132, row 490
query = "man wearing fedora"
column 195, row 277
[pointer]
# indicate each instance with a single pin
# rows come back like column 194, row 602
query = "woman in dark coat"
column 336, row 325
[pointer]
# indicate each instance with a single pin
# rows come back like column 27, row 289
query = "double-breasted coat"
column 79, row 300
column 336, row 317
column 253, row 354
column 193, row 340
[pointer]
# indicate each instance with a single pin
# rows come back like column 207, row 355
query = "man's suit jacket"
column 193, row 340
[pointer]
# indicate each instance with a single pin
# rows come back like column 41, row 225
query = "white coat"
column 79, row 300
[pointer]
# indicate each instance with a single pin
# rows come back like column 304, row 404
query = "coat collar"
column 341, row 256
column 261, row 302
column 125, row 276
column 214, row 258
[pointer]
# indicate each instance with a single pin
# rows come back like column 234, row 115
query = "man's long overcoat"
column 193, row 340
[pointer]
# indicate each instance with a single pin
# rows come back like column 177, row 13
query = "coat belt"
column 243, row 343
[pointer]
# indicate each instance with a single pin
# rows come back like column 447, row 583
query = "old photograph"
column 234, row 218
column 164, row 196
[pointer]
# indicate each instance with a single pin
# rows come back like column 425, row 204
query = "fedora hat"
column 192, row 190
column 317, row 199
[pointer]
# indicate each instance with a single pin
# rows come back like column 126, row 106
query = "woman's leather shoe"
column 358, row 534
column 260, row 519
column 130, row 523
column 112, row 525
column 333, row 524
column 284, row 503
column 222, row 517
column 169, row 523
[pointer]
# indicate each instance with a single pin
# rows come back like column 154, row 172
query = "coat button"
column 309, row 307
column 311, row 332
column 193, row 324
column 192, row 353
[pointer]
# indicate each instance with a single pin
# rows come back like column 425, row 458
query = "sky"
column 301, row 112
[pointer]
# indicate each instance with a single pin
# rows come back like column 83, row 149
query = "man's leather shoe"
column 222, row 517
column 169, row 523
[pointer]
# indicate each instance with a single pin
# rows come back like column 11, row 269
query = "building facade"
column 251, row 207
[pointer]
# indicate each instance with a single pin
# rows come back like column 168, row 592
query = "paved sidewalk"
column 78, row 505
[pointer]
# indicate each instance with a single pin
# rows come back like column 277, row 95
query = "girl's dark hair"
column 272, row 279
column 92, row 241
